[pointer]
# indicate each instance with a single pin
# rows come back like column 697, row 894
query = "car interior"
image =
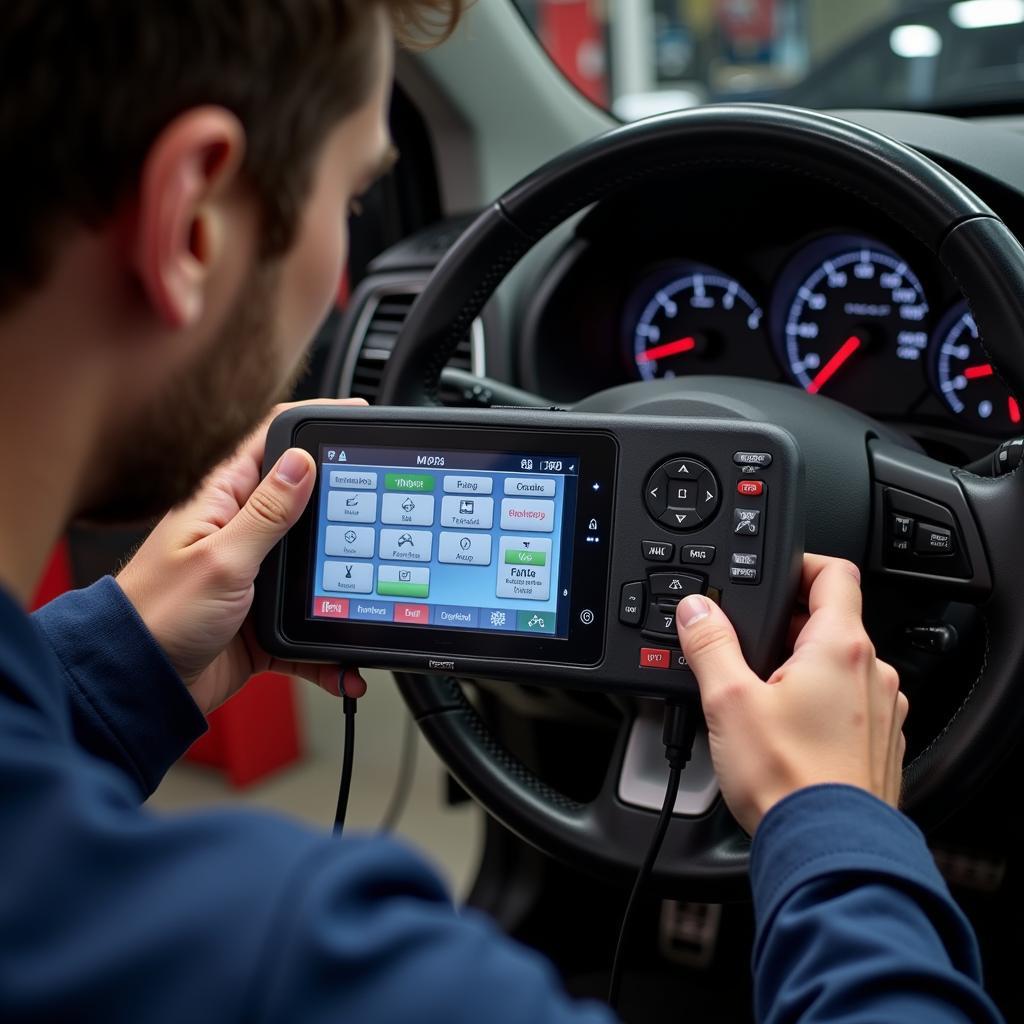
column 795, row 212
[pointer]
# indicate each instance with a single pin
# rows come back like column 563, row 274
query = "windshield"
column 642, row 57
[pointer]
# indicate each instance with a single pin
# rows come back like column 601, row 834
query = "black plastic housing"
column 618, row 452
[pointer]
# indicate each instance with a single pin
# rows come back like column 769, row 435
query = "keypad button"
column 684, row 469
column 759, row 459
column 661, row 619
column 697, row 554
column 747, row 522
column 682, row 494
column 707, row 495
column 745, row 567
column 658, row 551
column 750, row 488
column 631, row 604
column 655, row 657
column 675, row 584
column 656, row 493
column 679, row 519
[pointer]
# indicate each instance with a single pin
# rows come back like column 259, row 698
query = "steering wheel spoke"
column 923, row 528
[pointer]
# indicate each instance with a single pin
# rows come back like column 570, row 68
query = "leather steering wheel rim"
column 706, row 855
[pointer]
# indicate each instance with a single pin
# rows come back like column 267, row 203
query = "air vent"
column 373, row 341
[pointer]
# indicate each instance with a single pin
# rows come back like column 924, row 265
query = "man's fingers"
column 269, row 513
column 833, row 598
column 712, row 651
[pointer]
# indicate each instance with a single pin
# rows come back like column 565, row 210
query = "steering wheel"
column 859, row 473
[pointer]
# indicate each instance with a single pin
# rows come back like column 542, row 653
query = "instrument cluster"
column 846, row 316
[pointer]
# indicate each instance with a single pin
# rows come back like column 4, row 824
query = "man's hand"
column 192, row 580
column 832, row 713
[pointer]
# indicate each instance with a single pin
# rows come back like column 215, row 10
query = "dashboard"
column 708, row 275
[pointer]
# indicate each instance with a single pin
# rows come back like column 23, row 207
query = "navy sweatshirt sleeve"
column 109, row 912
column 128, row 705
column 854, row 921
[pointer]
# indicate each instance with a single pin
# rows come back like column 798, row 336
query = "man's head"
column 182, row 176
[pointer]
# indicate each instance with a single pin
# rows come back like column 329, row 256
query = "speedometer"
column 965, row 378
column 687, row 317
column 853, row 317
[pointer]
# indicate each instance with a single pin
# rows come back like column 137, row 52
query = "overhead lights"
column 915, row 41
column 986, row 13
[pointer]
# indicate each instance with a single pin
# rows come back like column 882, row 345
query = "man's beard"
column 201, row 417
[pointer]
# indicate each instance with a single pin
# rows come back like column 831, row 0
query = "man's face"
column 259, row 353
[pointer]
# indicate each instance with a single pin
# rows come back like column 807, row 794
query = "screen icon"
column 351, row 536
column 408, row 505
column 352, row 502
column 331, row 455
column 498, row 619
column 467, row 507
column 342, row 457
column 406, row 541
column 465, row 543
column 405, row 575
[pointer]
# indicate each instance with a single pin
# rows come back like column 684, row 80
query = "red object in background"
column 254, row 734
column 344, row 292
column 747, row 22
column 57, row 579
column 572, row 35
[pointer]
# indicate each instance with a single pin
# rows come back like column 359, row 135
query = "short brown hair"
column 86, row 86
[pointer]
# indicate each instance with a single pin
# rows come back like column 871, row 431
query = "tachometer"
column 687, row 316
column 966, row 380
column 853, row 315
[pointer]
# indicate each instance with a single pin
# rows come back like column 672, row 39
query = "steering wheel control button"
column 631, row 604
column 656, row 493
column 750, row 488
column 933, row 540
column 757, row 460
column 745, row 567
column 697, row 554
column 746, row 522
column 938, row 637
column 655, row 657
column 902, row 526
column 661, row 620
column 658, row 551
column 675, row 585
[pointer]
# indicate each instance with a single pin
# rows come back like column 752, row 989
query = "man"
column 177, row 181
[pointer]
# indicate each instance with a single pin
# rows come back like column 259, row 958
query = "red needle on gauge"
column 977, row 372
column 670, row 348
column 831, row 368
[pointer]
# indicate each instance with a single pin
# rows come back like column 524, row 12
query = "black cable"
column 348, row 706
column 678, row 734
column 406, row 771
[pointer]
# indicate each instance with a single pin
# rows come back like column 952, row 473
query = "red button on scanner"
column 416, row 614
column 655, row 657
column 750, row 488
column 331, row 607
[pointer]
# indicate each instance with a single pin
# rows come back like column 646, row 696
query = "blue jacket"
column 111, row 913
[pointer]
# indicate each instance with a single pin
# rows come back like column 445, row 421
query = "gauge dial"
column 855, row 319
column 965, row 379
column 688, row 317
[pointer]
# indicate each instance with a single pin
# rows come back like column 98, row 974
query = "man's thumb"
column 272, row 509
column 711, row 646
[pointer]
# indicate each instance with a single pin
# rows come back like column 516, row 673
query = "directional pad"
column 682, row 494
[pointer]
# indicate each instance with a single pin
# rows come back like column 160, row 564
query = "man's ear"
column 179, row 227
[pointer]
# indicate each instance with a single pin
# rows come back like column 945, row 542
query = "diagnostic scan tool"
column 540, row 545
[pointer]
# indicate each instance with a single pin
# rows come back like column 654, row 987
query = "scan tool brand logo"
column 441, row 666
